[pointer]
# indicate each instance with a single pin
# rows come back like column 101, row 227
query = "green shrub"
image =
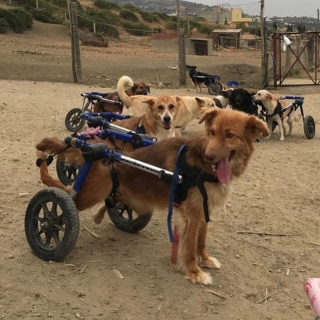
column 171, row 25
column 128, row 15
column 205, row 29
column 130, row 7
column 194, row 24
column 45, row 16
column 137, row 29
column 109, row 31
column 101, row 26
column 104, row 16
column 161, row 15
column 149, row 17
column 19, row 20
column 4, row 25
column 103, row 4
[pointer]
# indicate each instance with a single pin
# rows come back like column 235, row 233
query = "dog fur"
column 241, row 99
column 138, row 88
column 188, row 110
column 270, row 102
column 228, row 137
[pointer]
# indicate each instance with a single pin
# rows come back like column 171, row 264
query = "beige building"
column 223, row 15
column 237, row 17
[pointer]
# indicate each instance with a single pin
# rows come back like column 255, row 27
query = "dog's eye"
column 160, row 108
column 229, row 135
column 171, row 106
column 212, row 133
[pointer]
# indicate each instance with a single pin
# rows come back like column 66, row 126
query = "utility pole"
column 75, row 49
column 264, row 59
column 181, row 45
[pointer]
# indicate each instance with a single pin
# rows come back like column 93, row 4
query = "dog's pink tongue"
column 223, row 170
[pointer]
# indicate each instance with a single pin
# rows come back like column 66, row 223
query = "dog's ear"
column 134, row 87
column 269, row 96
column 254, row 127
column 200, row 102
column 178, row 99
column 150, row 102
column 208, row 114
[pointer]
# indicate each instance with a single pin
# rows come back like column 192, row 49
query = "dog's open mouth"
column 222, row 168
column 167, row 125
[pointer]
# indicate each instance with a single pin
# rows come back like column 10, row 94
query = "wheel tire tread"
column 70, row 238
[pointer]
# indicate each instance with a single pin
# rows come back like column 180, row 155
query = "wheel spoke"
column 48, row 239
column 47, row 213
column 38, row 219
column 56, row 238
column 39, row 232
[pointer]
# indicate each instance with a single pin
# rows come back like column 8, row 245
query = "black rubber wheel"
column 51, row 224
column 309, row 127
column 215, row 88
column 66, row 174
column 73, row 121
column 125, row 219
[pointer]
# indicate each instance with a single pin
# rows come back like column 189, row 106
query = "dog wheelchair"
column 211, row 81
column 74, row 122
column 67, row 174
column 308, row 121
column 52, row 220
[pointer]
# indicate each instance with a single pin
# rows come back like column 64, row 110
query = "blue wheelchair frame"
column 93, row 152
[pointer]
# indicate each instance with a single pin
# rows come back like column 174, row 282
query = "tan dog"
column 277, row 111
column 223, row 151
column 136, row 105
column 138, row 88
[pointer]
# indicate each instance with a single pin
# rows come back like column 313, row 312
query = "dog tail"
column 124, row 81
column 45, row 176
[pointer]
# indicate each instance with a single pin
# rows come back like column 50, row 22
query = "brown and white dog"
column 223, row 150
column 137, row 88
column 189, row 106
column 277, row 111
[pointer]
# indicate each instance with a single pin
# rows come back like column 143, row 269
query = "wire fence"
column 143, row 54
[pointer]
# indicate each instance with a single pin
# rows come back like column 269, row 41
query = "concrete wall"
column 171, row 45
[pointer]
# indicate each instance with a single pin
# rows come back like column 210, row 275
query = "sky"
column 280, row 8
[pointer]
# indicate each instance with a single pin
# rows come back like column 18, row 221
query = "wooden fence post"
column 75, row 48
column 182, row 58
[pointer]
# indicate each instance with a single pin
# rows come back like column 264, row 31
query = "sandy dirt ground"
column 278, row 194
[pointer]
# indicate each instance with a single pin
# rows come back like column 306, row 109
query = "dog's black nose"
column 209, row 157
column 167, row 119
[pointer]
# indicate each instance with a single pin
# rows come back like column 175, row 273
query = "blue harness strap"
column 174, row 184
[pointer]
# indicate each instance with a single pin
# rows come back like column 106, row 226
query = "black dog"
column 241, row 99
column 199, row 77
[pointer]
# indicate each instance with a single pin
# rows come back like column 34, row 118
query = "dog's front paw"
column 267, row 137
column 211, row 263
column 281, row 138
column 200, row 277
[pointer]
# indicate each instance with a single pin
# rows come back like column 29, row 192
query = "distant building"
column 223, row 15
column 237, row 17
